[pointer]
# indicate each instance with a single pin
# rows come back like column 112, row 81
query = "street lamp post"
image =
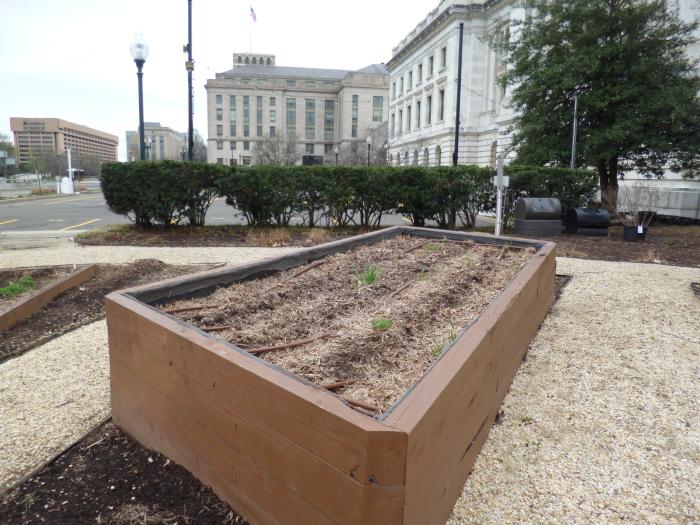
column 139, row 52
column 369, row 146
column 336, row 155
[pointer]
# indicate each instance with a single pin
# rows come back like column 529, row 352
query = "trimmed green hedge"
column 168, row 192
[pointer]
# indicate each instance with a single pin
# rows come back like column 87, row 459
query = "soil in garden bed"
column 110, row 478
column 381, row 333
column 82, row 304
column 42, row 277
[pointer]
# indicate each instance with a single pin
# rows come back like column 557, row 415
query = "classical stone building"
column 423, row 77
column 34, row 136
column 321, row 109
column 161, row 143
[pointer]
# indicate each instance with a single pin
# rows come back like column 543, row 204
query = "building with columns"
column 322, row 109
column 423, row 94
column 423, row 84
column 162, row 143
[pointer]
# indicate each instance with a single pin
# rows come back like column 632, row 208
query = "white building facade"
column 423, row 86
column 324, row 109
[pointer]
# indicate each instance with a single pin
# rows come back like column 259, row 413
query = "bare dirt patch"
column 80, row 305
column 109, row 478
column 378, row 315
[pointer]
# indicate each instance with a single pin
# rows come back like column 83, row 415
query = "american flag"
column 252, row 14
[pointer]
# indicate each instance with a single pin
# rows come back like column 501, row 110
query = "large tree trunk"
column 607, row 173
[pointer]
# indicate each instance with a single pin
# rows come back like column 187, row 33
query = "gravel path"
column 51, row 396
column 70, row 253
column 602, row 422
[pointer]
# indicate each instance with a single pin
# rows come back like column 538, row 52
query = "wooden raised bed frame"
column 280, row 449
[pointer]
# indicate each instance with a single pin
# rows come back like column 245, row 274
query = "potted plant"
column 636, row 206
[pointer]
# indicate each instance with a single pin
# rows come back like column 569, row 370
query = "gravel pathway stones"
column 70, row 253
column 51, row 396
column 602, row 422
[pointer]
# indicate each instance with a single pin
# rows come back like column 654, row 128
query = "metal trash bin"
column 587, row 221
column 537, row 216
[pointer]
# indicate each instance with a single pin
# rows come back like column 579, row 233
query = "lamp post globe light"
column 139, row 52
column 336, row 155
column 369, row 145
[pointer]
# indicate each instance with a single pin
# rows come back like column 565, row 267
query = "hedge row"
column 168, row 192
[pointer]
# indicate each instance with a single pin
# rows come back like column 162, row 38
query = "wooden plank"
column 300, row 476
column 307, row 414
column 41, row 298
column 448, row 413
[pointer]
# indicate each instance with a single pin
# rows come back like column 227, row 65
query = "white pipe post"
column 70, row 171
column 499, row 196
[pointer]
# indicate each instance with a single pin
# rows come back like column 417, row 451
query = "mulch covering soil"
column 381, row 336
column 81, row 305
column 665, row 244
column 109, row 478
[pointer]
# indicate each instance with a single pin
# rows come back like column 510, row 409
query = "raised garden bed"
column 273, row 441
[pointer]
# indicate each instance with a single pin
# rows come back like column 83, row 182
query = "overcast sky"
column 70, row 58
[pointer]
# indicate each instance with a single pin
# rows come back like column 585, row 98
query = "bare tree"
column 199, row 151
column 278, row 150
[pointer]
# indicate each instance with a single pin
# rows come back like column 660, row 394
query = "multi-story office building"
column 423, row 76
column 320, row 109
column 161, row 143
column 34, row 136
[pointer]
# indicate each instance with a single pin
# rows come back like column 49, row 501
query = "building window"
column 310, row 119
column 219, row 100
column 393, row 89
column 246, row 145
column 219, row 114
column 219, row 160
column 291, row 117
column 273, row 116
column 400, row 128
column 258, row 116
column 291, row 83
column 441, row 104
column 309, row 149
column 327, row 148
column 418, row 104
column 328, row 119
column 246, row 161
column 273, row 102
column 377, row 109
column 233, row 145
column 415, row 157
column 355, row 110
column 429, row 116
column 443, row 57
column 232, row 114
column 438, row 155
column 410, row 80
column 408, row 118
column 426, row 157
column 393, row 124
column 273, row 131
column 246, row 116
column 219, row 144
column 219, row 130
column 232, row 162
column 430, row 67
column 420, row 74
column 401, row 85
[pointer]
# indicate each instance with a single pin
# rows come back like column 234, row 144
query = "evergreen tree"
column 626, row 61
